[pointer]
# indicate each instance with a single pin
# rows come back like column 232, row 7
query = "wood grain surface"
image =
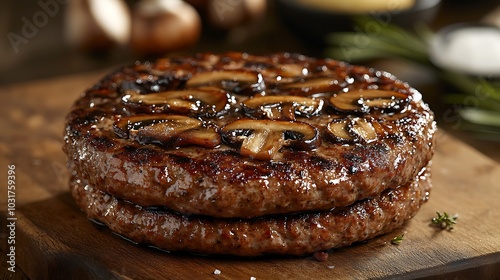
column 54, row 240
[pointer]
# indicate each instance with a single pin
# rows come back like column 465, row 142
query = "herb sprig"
column 478, row 104
column 398, row 239
column 444, row 221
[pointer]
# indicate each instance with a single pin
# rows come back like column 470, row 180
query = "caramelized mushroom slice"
column 337, row 131
column 201, row 101
column 129, row 126
column 262, row 139
column 292, row 70
column 282, row 107
column 313, row 86
column 362, row 129
column 208, row 137
column 365, row 101
column 238, row 82
column 352, row 130
column 167, row 130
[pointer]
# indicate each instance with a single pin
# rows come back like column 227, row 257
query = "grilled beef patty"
column 295, row 234
column 249, row 155
column 240, row 136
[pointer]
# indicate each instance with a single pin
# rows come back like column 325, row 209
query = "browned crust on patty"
column 219, row 182
column 296, row 234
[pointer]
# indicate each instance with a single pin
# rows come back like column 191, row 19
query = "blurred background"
column 51, row 38
column 279, row 26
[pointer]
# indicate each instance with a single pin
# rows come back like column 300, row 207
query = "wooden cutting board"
column 55, row 240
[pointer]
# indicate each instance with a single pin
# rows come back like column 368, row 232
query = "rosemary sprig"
column 374, row 39
column 479, row 101
column 482, row 117
column 444, row 221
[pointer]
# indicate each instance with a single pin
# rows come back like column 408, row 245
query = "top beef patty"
column 238, row 135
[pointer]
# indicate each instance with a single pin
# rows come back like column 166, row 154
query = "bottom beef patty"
column 293, row 234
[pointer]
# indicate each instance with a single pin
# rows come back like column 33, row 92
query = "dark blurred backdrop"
column 47, row 53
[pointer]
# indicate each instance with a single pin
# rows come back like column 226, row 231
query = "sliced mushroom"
column 366, row 101
column 160, row 81
column 363, row 129
column 292, row 70
column 128, row 126
column 238, row 82
column 313, row 83
column 202, row 101
column 167, row 130
column 313, row 86
column 337, row 131
column 262, row 139
column 206, row 137
column 352, row 130
column 282, row 107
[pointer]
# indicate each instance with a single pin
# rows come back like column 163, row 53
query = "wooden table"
column 55, row 240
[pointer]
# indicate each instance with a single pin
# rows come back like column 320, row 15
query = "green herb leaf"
column 398, row 239
column 444, row 221
column 482, row 117
column 479, row 102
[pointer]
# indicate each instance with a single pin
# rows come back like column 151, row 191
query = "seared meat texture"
column 238, row 136
column 247, row 155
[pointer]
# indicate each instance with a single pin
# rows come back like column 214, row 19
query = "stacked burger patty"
column 248, row 155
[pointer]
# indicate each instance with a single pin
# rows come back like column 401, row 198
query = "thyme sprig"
column 398, row 239
column 444, row 221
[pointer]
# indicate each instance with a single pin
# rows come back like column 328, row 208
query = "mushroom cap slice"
column 282, row 106
column 262, row 139
column 337, row 131
column 167, row 130
column 313, row 83
column 202, row 101
column 367, row 101
column 129, row 126
column 207, row 137
column 353, row 130
column 238, row 82
column 311, row 86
